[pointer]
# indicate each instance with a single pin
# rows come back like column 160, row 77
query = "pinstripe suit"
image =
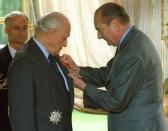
column 37, row 99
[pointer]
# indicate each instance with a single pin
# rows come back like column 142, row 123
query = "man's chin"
column 22, row 41
column 110, row 44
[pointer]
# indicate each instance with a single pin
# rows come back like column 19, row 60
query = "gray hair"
column 13, row 14
column 50, row 21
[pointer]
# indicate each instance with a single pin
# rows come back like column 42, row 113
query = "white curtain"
column 146, row 15
column 83, row 44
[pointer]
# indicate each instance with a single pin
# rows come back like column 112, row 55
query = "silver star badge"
column 55, row 116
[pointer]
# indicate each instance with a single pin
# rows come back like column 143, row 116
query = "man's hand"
column 78, row 82
column 69, row 63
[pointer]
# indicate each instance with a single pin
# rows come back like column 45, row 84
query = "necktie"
column 54, row 64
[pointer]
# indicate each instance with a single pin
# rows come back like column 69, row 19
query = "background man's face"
column 17, row 30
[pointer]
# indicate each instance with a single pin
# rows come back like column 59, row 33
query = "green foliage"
column 7, row 6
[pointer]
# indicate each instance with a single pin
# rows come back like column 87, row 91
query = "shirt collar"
column 42, row 48
column 124, row 35
column 12, row 50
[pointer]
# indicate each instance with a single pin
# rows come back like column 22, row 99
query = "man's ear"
column 51, row 32
column 6, row 30
column 115, row 24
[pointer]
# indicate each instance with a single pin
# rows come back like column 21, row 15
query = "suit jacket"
column 5, row 60
column 37, row 99
column 134, row 97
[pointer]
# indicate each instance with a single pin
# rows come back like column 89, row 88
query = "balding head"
column 53, row 20
column 8, row 17
column 52, row 31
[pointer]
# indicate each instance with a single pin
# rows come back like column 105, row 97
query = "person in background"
column 16, row 29
column 132, row 78
column 41, row 95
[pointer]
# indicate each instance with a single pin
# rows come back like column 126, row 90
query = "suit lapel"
column 44, row 62
column 6, row 60
column 124, row 45
column 8, row 55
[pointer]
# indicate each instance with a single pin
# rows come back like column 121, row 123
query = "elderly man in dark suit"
column 133, row 96
column 16, row 24
column 41, row 95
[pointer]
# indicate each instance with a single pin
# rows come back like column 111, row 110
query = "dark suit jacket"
column 37, row 99
column 5, row 59
column 134, row 97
